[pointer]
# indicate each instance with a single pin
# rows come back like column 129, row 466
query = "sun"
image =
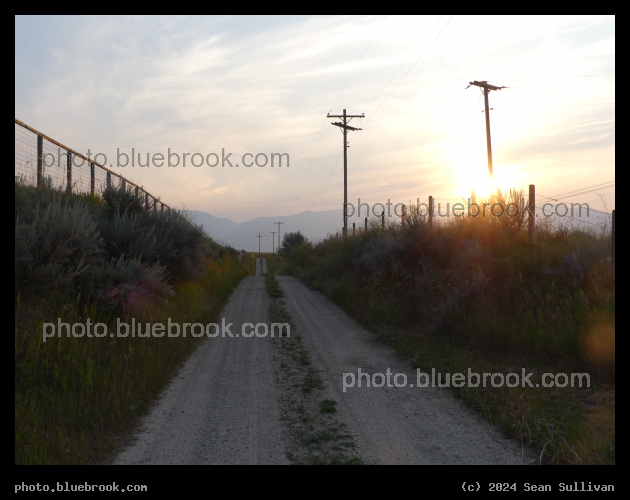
column 505, row 177
column 477, row 180
column 471, row 172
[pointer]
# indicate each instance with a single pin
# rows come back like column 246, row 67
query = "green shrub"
column 54, row 244
column 290, row 242
column 156, row 236
column 122, row 199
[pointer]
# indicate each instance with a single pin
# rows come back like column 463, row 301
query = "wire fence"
column 40, row 159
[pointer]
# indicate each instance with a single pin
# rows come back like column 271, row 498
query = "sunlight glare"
column 478, row 179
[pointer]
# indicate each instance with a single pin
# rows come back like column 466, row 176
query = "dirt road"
column 229, row 404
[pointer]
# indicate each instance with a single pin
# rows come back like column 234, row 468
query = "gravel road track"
column 222, row 408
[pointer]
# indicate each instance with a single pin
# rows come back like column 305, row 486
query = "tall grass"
column 75, row 396
column 475, row 293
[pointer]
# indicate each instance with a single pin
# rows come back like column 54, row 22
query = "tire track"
column 223, row 406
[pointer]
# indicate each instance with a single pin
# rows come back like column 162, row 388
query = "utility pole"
column 344, row 125
column 279, row 234
column 273, row 244
column 486, row 88
column 259, row 236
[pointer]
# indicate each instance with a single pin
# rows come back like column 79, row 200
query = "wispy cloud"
column 264, row 84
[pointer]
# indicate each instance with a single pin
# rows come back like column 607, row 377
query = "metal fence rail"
column 38, row 157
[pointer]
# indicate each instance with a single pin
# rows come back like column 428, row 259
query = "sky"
column 241, row 88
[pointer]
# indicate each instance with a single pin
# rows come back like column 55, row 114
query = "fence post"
column 353, row 228
column 532, row 212
column 383, row 221
column 69, row 174
column 109, row 179
column 40, row 159
column 612, row 251
column 92, row 178
column 430, row 211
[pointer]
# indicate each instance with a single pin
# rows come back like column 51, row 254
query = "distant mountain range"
column 244, row 236
column 318, row 225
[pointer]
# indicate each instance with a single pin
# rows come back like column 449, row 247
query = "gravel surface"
column 234, row 401
column 261, row 267
column 223, row 407
column 392, row 425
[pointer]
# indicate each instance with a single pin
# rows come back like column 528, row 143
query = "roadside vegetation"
column 81, row 261
column 474, row 294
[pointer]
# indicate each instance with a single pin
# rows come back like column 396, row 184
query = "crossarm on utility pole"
column 347, row 127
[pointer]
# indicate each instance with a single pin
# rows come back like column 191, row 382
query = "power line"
column 442, row 108
column 324, row 124
column 415, row 114
column 400, row 67
column 416, row 117
column 416, row 62
column 587, row 187
column 358, row 62
column 328, row 178
column 309, row 167
column 569, row 216
column 323, row 187
column 552, row 199
column 582, row 193
column 581, row 84
column 558, row 77
column 511, row 106
column 576, row 192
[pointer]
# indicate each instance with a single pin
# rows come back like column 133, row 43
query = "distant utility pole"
column 273, row 244
column 259, row 236
column 344, row 125
column 486, row 90
column 279, row 234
